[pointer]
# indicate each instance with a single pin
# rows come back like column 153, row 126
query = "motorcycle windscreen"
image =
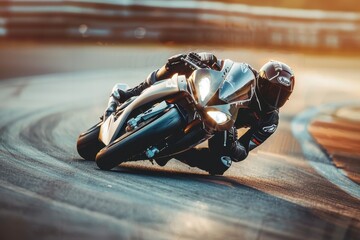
column 205, row 82
column 239, row 85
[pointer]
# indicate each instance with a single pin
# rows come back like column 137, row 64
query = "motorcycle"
column 171, row 116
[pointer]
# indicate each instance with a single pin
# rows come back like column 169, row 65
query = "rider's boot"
column 111, row 108
column 114, row 101
column 226, row 143
column 206, row 160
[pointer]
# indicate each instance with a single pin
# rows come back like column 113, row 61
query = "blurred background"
column 28, row 29
column 312, row 25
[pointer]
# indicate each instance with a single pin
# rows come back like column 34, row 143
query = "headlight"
column 217, row 116
column 204, row 88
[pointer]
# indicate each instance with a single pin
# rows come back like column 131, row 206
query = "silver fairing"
column 222, row 93
column 110, row 128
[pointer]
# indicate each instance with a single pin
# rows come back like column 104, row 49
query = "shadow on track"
column 179, row 175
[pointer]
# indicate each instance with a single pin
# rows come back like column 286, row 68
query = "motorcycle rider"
column 274, row 84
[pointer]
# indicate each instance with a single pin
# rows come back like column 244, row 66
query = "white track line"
column 317, row 157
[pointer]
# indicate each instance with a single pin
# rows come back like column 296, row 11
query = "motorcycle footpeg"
column 132, row 124
column 151, row 152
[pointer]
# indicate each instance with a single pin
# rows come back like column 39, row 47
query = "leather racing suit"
column 223, row 147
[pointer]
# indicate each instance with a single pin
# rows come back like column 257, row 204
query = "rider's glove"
column 205, row 60
column 196, row 59
column 202, row 60
column 194, row 56
column 117, row 97
column 175, row 61
column 109, row 110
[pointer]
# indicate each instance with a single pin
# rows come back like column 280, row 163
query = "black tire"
column 135, row 142
column 88, row 144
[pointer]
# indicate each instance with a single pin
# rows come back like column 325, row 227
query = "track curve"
column 47, row 190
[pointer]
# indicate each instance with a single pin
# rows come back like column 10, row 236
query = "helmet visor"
column 274, row 94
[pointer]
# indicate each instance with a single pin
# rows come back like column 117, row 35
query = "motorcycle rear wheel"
column 88, row 144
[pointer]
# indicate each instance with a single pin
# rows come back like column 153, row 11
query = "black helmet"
column 275, row 84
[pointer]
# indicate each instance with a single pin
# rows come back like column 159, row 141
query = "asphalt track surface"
column 48, row 192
